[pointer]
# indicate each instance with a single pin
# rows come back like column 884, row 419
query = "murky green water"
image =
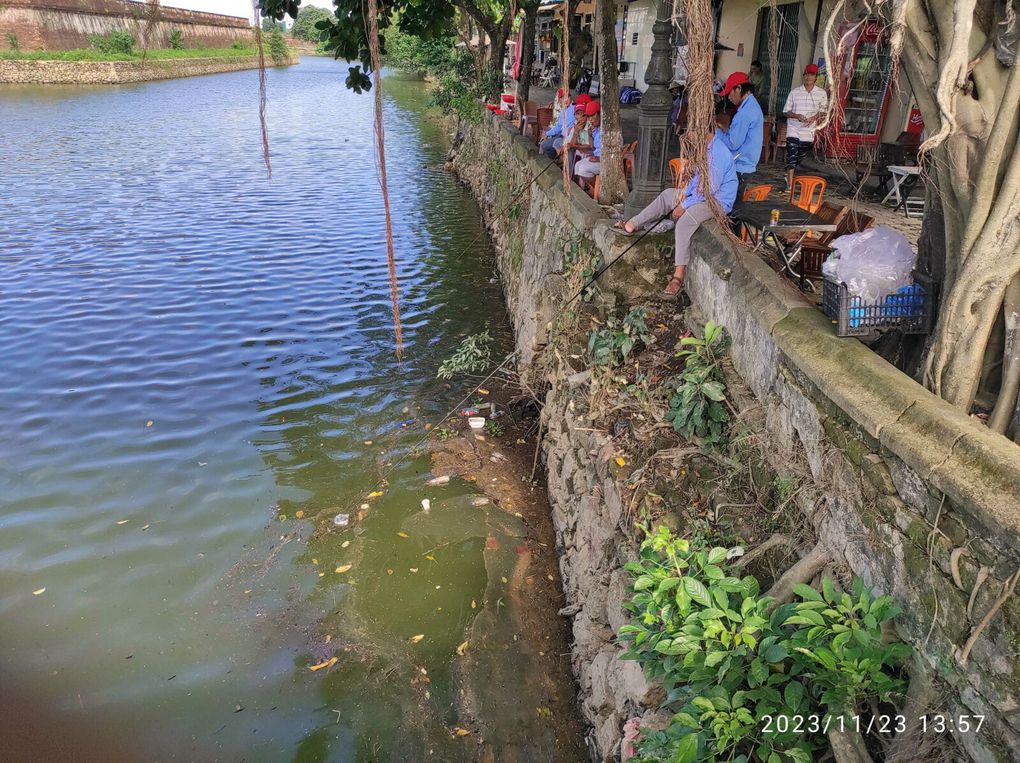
column 190, row 352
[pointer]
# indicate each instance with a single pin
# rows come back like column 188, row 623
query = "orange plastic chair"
column 807, row 192
column 676, row 170
column 757, row 193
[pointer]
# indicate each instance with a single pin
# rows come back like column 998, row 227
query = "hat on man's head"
column 579, row 108
column 592, row 108
column 737, row 78
column 811, row 69
column 583, row 98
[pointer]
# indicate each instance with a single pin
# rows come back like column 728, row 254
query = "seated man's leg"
column 586, row 168
column 660, row 207
column 549, row 146
column 690, row 221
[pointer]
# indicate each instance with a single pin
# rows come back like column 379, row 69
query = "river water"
column 193, row 354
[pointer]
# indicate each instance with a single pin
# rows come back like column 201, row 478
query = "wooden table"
column 756, row 217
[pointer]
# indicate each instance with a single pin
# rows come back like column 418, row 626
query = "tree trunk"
column 497, row 51
column 1005, row 406
column 612, row 180
column 528, row 54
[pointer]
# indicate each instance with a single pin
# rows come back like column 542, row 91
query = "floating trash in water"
column 479, row 501
column 416, row 639
column 462, row 648
column 344, row 568
column 426, row 504
column 39, row 591
column 468, row 411
column 327, row 664
column 342, row 520
column 440, row 480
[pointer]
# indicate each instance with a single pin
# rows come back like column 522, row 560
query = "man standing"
column 746, row 132
column 805, row 108
column 590, row 166
column 689, row 209
column 756, row 74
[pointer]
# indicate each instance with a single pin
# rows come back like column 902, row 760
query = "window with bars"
column 789, row 21
column 634, row 38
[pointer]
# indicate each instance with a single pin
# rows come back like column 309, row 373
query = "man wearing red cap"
column 552, row 142
column 805, row 107
column 590, row 166
column 746, row 132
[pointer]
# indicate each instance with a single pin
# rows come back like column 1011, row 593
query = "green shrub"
column 277, row 48
column 613, row 343
column 113, row 42
column 728, row 663
column 175, row 39
column 697, row 407
column 473, row 356
column 12, row 41
column 239, row 45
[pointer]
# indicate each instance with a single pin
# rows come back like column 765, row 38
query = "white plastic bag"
column 874, row 263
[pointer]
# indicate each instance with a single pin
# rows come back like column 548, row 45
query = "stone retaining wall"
column 914, row 496
column 68, row 24
column 120, row 72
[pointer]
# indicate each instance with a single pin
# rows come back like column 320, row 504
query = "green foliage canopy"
column 304, row 25
column 346, row 34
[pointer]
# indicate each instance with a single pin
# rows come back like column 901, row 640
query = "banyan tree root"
column 802, row 572
column 920, row 699
column 1007, row 590
column 764, row 547
column 848, row 747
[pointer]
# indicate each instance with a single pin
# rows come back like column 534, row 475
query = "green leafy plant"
column 444, row 434
column 697, row 407
column 493, row 428
column 473, row 355
column 175, row 39
column 277, row 47
column 727, row 662
column 113, row 42
column 12, row 41
column 614, row 342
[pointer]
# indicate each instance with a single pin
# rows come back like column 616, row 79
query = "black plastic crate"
column 909, row 310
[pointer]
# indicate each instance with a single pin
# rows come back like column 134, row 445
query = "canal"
column 197, row 375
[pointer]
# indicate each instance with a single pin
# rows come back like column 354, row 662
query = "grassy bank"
column 91, row 54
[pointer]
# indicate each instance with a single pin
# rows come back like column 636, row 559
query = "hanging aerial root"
column 380, row 144
column 1007, row 590
column 762, row 548
column 262, row 91
column 802, row 572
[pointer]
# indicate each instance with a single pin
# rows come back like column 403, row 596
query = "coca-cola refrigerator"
column 862, row 96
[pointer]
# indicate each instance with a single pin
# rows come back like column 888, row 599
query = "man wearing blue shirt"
column 689, row 208
column 553, row 141
column 591, row 165
column 746, row 132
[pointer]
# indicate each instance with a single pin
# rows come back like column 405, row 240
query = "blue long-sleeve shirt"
column 746, row 135
column 596, row 141
column 564, row 123
column 722, row 175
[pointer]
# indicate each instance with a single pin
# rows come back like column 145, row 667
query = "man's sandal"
column 671, row 294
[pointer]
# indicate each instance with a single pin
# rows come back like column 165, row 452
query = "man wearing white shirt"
column 805, row 108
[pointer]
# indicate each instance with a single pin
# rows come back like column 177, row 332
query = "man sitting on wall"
column 805, row 107
column 591, row 165
column 745, row 134
column 689, row 209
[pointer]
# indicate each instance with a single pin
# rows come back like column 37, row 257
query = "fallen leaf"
column 375, row 494
column 461, row 732
column 403, row 535
column 416, row 639
column 41, row 590
column 345, row 544
column 551, row 578
column 299, row 514
column 473, row 604
column 462, row 649
column 344, row 567
column 413, row 569
column 430, row 557
column 504, row 580
column 322, row 574
column 620, row 461
column 483, row 391
column 328, row 663
column 247, row 590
